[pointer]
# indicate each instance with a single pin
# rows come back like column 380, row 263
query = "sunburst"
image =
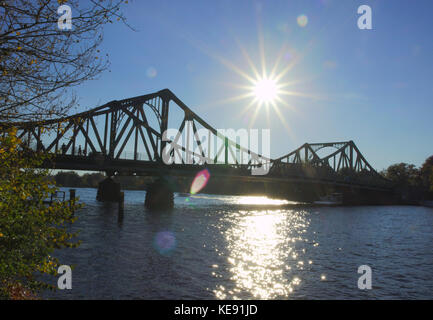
column 266, row 89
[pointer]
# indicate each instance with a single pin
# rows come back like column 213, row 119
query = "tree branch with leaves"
column 40, row 63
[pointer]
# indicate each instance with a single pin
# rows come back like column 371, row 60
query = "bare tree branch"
column 40, row 64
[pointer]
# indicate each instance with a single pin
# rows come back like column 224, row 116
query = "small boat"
column 334, row 199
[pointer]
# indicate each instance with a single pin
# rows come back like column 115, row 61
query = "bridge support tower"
column 108, row 191
column 159, row 196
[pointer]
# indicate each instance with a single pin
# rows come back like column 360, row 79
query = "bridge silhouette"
column 129, row 137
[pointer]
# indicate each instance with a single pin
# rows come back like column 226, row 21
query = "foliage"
column 39, row 62
column 29, row 229
column 415, row 183
column 403, row 174
column 427, row 174
column 91, row 180
column 72, row 179
column 69, row 179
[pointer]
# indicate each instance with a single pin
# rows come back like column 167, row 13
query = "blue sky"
column 371, row 86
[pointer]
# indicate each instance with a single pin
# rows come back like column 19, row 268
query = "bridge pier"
column 108, row 191
column 159, row 196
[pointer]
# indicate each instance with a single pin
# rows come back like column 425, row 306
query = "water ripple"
column 216, row 247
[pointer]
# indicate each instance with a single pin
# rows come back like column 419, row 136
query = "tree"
column 403, row 175
column 408, row 180
column 68, row 179
column 30, row 229
column 39, row 65
column 39, row 62
column 91, row 180
column 72, row 179
column 427, row 175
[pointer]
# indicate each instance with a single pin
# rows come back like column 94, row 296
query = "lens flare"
column 200, row 181
column 151, row 72
column 164, row 242
column 302, row 20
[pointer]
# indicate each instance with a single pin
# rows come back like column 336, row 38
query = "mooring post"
column 121, row 205
column 71, row 194
column 71, row 197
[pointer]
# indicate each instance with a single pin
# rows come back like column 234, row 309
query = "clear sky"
column 371, row 86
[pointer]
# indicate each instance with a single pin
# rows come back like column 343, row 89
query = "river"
column 235, row 247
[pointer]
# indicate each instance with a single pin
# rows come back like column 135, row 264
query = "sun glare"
column 266, row 90
column 266, row 87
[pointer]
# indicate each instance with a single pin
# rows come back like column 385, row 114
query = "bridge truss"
column 344, row 162
column 106, row 133
column 346, row 155
column 139, row 124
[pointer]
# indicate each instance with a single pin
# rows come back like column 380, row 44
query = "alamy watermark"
column 65, row 280
column 228, row 146
column 365, row 21
column 65, row 20
column 364, row 281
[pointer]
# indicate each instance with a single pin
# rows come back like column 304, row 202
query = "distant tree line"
column 412, row 182
column 73, row 179
column 91, row 180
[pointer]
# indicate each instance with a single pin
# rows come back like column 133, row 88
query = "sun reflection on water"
column 256, row 200
column 262, row 255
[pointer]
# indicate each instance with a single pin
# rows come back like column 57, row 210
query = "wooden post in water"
column 121, row 205
column 72, row 196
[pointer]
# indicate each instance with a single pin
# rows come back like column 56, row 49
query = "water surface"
column 231, row 247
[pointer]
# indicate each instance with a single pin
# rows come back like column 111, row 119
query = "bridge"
column 158, row 136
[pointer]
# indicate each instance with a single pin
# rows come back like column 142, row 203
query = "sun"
column 266, row 90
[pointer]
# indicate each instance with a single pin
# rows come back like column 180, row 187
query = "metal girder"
column 109, row 130
column 139, row 123
column 345, row 162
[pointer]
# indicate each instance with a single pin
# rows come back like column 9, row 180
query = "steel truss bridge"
column 127, row 137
